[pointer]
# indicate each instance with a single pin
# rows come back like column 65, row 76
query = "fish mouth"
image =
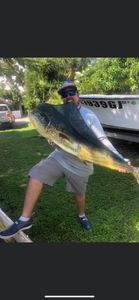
column 40, row 117
column 40, row 122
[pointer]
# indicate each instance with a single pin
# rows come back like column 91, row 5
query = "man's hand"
column 123, row 170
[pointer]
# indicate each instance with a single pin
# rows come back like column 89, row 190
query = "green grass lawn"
column 112, row 198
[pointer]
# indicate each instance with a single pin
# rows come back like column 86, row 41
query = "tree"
column 110, row 75
column 13, row 73
column 43, row 76
column 35, row 80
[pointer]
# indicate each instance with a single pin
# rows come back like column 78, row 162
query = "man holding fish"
column 66, row 161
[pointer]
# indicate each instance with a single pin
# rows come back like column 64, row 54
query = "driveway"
column 20, row 122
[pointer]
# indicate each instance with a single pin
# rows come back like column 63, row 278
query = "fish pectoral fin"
column 48, row 125
column 64, row 136
column 69, row 142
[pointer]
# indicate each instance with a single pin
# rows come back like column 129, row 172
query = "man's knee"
column 34, row 181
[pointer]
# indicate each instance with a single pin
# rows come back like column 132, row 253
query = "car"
column 7, row 118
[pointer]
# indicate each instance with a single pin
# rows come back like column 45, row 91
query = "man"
column 61, row 164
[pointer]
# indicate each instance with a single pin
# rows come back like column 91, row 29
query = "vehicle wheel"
column 10, row 126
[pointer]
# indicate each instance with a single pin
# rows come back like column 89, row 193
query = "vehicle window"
column 3, row 108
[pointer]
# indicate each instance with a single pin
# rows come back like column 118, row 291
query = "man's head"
column 68, row 91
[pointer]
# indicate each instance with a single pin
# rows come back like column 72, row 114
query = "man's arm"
column 97, row 128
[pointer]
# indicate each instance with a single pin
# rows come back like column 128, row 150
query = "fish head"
column 40, row 120
column 48, row 122
column 40, row 114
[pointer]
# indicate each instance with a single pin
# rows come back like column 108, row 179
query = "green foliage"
column 39, row 77
column 55, row 98
column 1, row 92
column 14, row 76
column 110, row 75
column 44, row 75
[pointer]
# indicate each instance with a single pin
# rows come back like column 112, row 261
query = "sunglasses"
column 65, row 94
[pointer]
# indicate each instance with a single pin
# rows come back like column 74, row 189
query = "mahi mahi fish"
column 64, row 126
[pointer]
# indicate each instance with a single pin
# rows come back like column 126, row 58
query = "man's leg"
column 47, row 171
column 77, row 185
column 80, row 202
column 33, row 191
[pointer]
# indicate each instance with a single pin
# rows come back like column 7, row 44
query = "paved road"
column 21, row 122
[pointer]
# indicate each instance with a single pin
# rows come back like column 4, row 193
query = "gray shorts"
column 49, row 170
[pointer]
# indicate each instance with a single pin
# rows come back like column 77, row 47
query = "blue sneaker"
column 15, row 228
column 84, row 222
